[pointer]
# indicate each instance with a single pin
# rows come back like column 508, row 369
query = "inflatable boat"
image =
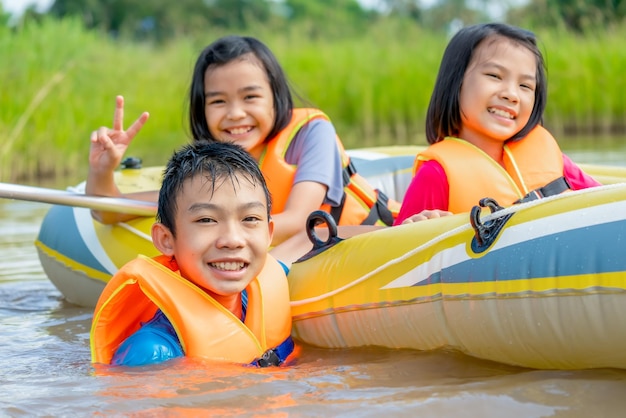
column 539, row 285
column 79, row 255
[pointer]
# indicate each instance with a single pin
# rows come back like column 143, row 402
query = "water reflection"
column 595, row 150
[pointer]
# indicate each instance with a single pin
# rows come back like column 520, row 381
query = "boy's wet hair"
column 443, row 117
column 217, row 162
column 224, row 51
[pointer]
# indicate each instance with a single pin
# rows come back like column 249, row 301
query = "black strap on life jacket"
column 348, row 172
column 336, row 211
column 379, row 211
column 553, row 188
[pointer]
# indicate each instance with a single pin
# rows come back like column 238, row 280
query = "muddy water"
column 45, row 368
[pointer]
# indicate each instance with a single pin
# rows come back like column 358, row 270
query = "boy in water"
column 214, row 293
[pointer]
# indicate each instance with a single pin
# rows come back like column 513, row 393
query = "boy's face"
column 222, row 238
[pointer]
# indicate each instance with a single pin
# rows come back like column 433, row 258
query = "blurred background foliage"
column 160, row 20
column 370, row 65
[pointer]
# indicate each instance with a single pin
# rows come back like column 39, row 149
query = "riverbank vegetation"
column 59, row 82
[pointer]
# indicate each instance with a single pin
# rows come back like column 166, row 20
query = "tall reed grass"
column 59, row 82
column 587, row 91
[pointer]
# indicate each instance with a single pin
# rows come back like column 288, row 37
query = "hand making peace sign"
column 108, row 145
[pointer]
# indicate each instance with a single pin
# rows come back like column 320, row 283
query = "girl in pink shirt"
column 490, row 93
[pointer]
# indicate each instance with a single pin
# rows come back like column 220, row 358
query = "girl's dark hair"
column 216, row 161
column 443, row 117
column 223, row 51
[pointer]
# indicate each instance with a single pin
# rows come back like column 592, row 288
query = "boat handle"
column 316, row 218
column 485, row 233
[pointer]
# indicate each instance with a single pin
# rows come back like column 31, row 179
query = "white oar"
column 61, row 197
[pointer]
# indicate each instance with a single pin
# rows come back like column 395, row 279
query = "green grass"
column 59, row 83
column 586, row 91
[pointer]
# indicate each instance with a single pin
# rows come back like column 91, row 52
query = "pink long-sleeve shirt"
column 429, row 188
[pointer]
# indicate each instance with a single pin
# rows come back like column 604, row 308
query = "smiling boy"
column 214, row 293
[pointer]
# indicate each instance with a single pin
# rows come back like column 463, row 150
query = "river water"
column 45, row 367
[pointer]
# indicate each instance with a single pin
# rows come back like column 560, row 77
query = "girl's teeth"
column 238, row 131
column 502, row 113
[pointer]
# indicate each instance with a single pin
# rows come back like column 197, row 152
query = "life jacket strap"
column 380, row 210
column 336, row 211
column 347, row 173
column 553, row 188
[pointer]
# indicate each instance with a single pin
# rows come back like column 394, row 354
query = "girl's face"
column 239, row 104
column 498, row 92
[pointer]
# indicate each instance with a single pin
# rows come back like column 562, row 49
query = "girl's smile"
column 505, row 113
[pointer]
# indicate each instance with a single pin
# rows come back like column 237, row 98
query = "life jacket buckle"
column 553, row 188
column 269, row 358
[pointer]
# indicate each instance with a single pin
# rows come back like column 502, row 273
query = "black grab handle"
column 319, row 217
column 486, row 233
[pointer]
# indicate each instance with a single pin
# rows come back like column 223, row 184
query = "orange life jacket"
column 204, row 327
column 529, row 165
column 362, row 204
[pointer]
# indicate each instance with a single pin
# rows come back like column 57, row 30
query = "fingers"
column 137, row 125
column 101, row 137
column 426, row 214
column 118, row 116
column 436, row 213
column 414, row 218
column 118, row 119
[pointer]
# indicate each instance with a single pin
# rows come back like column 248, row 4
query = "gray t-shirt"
column 315, row 154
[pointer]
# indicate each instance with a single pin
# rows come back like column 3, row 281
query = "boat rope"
column 135, row 231
column 381, row 267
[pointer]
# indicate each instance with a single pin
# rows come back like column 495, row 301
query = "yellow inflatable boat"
column 79, row 255
column 539, row 285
